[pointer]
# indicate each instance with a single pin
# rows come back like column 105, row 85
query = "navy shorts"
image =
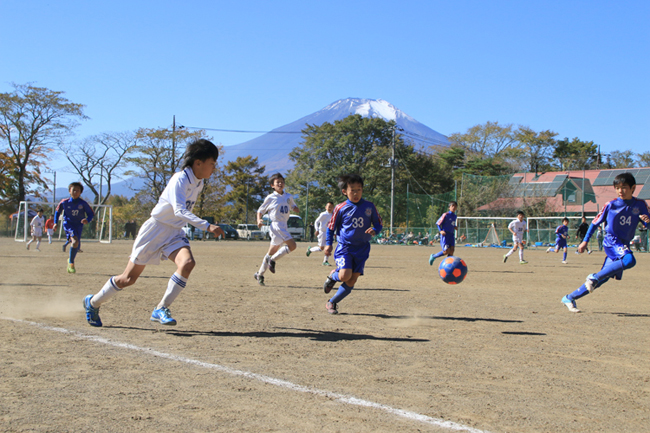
column 351, row 257
column 447, row 241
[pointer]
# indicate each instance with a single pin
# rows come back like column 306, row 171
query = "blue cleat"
column 570, row 304
column 92, row 313
column 432, row 258
column 163, row 316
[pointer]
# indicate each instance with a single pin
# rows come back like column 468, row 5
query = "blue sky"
column 579, row 68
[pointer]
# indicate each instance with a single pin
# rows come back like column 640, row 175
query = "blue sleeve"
column 376, row 221
column 592, row 229
column 89, row 212
column 335, row 222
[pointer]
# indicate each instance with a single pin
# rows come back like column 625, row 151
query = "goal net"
column 541, row 230
column 100, row 229
column 484, row 231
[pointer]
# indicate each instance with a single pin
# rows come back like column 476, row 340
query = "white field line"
column 347, row 399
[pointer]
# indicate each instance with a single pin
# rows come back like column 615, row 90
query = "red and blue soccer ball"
column 452, row 270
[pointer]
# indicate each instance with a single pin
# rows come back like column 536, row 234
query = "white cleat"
column 591, row 283
column 571, row 305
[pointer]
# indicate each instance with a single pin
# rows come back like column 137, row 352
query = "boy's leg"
column 73, row 254
column 521, row 253
column 509, row 253
column 344, row 290
column 564, row 251
column 184, row 264
column 38, row 244
column 433, row 257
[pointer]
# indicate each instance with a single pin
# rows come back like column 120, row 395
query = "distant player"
column 76, row 212
column 561, row 235
column 517, row 227
column 49, row 226
column 279, row 205
column 581, row 232
column 622, row 216
column 162, row 237
column 320, row 225
column 37, row 225
column 354, row 222
column 447, row 228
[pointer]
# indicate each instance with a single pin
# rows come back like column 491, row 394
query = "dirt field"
column 498, row 353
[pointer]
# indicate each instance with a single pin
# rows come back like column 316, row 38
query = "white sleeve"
column 265, row 205
column 512, row 224
column 179, row 203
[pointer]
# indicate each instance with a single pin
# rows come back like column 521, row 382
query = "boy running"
column 161, row 236
column 49, row 226
column 321, row 232
column 447, row 227
column 517, row 227
column 76, row 212
column 622, row 216
column 354, row 222
column 278, row 204
column 561, row 234
column 581, row 232
column 37, row 224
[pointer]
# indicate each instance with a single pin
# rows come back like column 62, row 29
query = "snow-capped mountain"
column 272, row 148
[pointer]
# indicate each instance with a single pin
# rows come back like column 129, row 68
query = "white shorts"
column 37, row 232
column 517, row 240
column 322, row 237
column 50, row 232
column 279, row 233
column 156, row 242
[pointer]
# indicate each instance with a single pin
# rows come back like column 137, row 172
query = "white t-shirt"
column 175, row 204
column 37, row 225
column 321, row 222
column 278, row 206
column 519, row 227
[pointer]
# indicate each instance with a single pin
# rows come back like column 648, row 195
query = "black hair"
column 77, row 184
column 454, row 203
column 200, row 149
column 274, row 177
column 519, row 212
column 39, row 210
column 625, row 179
column 348, row 179
column 330, row 202
column 565, row 219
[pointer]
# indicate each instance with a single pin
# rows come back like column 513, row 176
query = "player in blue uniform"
column 447, row 228
column 354, row 222
column 561, row 235
column 622, row 216
column 76, row 212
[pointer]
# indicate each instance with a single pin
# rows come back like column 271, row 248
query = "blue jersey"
column 73, row 212
column 350, row 221
column 622, row 217
column 561, row 231
column 447, row 223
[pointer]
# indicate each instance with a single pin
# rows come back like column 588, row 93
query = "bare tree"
column 100, row 157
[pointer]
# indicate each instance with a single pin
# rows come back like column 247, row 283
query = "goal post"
column 100, row 229
column 541, row 230
column 483, row 230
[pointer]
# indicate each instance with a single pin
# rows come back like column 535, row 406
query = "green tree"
column 158, row 155
column 247, row 187
column 536, row 148
column 621, row 159
column 643, row 159
column 489, row 140
column 33, row 120
column 575, row 154
column 8, row 183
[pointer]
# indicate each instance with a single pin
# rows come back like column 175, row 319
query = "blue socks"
column 611, row 269
column 440, row 254
column 344, row 290
column 564, row 256
column 73, row 254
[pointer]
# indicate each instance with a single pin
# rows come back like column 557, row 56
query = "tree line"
column 35, row 122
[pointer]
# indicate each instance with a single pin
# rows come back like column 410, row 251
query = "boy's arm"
column 178, row 201
column 90, row 214
column 376, row 222
column 262, row 210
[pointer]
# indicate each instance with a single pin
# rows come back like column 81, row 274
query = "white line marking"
column 265, row 379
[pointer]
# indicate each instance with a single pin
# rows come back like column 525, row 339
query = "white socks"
column 174, row 288
column 314, row 249
column 107, row 292
column 281, row 252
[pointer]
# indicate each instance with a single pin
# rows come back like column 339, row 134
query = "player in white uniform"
column 161, row 236
column 321, row 232
column 37, row 224
column 517, row 227
column 279, row 205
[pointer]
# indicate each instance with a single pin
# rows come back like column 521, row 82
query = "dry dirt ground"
column 408, row 353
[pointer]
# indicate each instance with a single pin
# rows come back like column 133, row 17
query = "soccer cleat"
column 432, row 258
column 27, row 247
column 523, row 262
column 163, row 316
column 329, row 283
column 308, row 251
column 71, row 269
column 63, row 247
column 331, row 308
column 259, row 278
column 271, row 263
column 570, row 304
column 92, row 313
column 549, row 250
column 588, row 251
column 326, row 264
column 591, row 283
column 577, row 253
column 564, row 262
column 505, row 258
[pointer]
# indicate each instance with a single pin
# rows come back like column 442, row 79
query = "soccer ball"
column 452, row 270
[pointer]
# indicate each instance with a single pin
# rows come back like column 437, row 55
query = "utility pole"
column 392, row 181
column 174, row 146
column 307, row 204
column 248, row 184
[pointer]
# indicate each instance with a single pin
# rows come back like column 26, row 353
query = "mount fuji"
column 272, row 148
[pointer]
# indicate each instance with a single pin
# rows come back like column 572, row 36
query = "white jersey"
column 519, row 227
column 37, row 225
column 321, row 222
column 278, row 206
column 175, row 204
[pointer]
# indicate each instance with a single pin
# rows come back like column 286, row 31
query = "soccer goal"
column 100, row 228
column 485, row 231
column 541, row 230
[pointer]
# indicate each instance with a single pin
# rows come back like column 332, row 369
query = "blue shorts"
column 615, row 253
column 73, row 231
column 351, row 257
column 447, row 241
column 560, row 243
